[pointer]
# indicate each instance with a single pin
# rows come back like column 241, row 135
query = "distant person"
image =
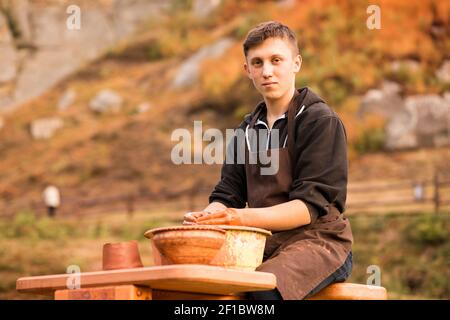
column 419, row 193
column 303, row 202
column 52, row 200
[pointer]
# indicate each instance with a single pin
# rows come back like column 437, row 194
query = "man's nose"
column 267, row 70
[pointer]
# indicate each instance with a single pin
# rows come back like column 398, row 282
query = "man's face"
column 272, row 66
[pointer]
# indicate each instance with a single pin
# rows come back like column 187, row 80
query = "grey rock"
column 202, row 8
column 189, row 71
column 48, row 24
column 385, row 101
column 129, row 15
column 433, row 119
column 8, row 56
column 8, row 59
column 67, row 99
column 408, row 64
column 447, row 96
column 105, row 101
column 57, row 50
column 443, row 73
column 5, row 33
column 20, row 13
column 423, row 122
column 42, row 72
column 286, row 4
column 400, row 131
column 45, row 128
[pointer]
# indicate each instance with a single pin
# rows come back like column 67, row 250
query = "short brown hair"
column 269, row 29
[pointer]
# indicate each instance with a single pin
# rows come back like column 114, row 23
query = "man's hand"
column 191, row 217
column 229, row 216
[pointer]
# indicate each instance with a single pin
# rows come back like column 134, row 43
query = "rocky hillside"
column 106, row 128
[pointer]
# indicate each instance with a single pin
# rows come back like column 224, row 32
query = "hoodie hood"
column 305, row 98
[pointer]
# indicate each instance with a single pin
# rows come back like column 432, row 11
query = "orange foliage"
column 404, row 27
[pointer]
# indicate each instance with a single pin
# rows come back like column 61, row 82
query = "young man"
column 302, row 203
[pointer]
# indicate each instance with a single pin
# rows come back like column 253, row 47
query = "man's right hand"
column 191, row 217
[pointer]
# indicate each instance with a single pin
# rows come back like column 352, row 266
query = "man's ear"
column 298, row 63
column 247, row 71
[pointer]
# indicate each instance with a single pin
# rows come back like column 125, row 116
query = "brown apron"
column 300, row 258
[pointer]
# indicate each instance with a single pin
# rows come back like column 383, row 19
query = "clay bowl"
column 188, row 244
column 243, row 248
column 121, row 255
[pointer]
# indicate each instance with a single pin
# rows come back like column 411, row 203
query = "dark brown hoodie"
column 320, row 158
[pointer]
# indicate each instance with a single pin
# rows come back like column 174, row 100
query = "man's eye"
column 276, row 60
column 256, row 63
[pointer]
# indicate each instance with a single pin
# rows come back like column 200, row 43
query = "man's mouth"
column 266, row 84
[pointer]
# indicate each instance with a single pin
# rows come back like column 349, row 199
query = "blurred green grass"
column 413, row 252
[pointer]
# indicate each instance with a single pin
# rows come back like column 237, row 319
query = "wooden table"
column 186, row 281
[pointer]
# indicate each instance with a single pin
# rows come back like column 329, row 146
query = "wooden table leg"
column 125, row 292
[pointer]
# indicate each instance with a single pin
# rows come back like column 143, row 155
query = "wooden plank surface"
column 185, row 278
column 350, row 291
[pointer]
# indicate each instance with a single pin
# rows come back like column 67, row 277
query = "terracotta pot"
column 243, row 248
column 187, row 244
column 121, row 255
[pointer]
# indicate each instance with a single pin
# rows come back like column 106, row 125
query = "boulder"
column 385, row 101
column 8, row 55
column 400, row 131
column 129, row 15
column 41, row 72
column 432, row 114
column 409, row 65
column 447, row 96
column 286, row 4
column 45, row 128
column 424, row 122
column 188, row 72
column 67, row 99
column 19, row 13
column 52, row 51
column 202, row 8
column 443, row 73
column 105, row 101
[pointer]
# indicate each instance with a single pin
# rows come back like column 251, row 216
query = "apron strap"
column 291, row 128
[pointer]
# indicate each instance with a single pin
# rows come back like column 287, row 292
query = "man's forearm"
column 284, row 216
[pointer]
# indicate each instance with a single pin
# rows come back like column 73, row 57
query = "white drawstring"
column 246, row 138
column 298, row 113
column 285, row 140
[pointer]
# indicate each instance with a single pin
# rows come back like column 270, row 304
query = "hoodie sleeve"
column 320, row 173
column 231, row 190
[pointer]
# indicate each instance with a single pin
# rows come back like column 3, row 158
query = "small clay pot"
column 121, row 255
